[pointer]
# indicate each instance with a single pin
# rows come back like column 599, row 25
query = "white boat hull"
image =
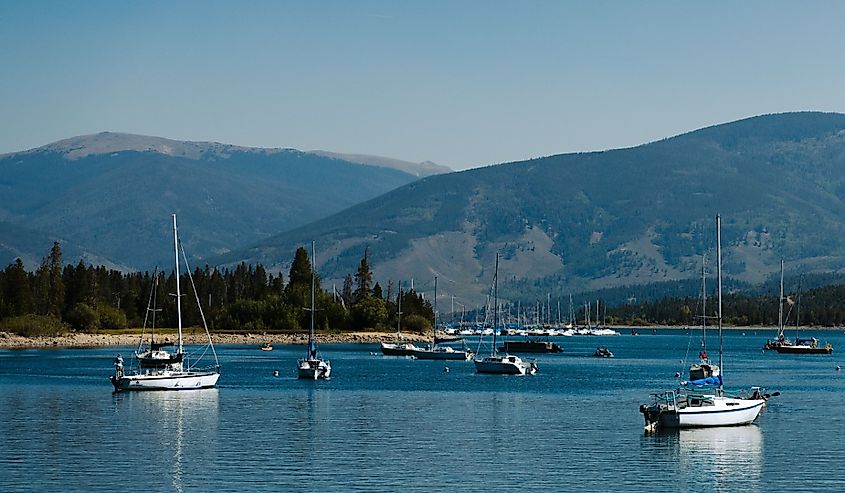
column 442, row 354
column 398, row 349
column 505, row 365
column 724, row 411
column 314, row 370
column 167, row 380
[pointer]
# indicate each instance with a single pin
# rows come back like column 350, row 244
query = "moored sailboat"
column 704, row 368
column 502, row 364
column 158, row 369
column 398, row 348
column 780, row 338
column 313, row 367
column 440, row 352
column 806, row 345
column 688, row 408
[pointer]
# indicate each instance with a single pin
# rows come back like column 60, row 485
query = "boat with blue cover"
column 704, row 402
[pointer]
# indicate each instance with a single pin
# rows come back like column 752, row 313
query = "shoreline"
column 86, row 340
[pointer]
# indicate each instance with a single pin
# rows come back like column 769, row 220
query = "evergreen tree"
column 363, row 279
column 56, row 293
column 347, row 294
column 16, row 291
column 298, row 290
column 300, row 269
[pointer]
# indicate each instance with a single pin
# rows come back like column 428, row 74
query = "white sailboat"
column 689, row 408
column 807, row 345
column 159, row 369
column 780, row 338
column 312, row 366
column 502, row 364
column 440, row 352
column 704, row 368
column 398, row 348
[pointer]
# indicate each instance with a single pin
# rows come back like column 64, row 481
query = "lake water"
column 396, row 424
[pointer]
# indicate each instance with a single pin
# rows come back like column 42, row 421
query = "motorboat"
column 603, row 352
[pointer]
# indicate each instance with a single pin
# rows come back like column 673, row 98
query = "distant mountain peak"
column 107, row 142
column 425, row 168
column 81, row 146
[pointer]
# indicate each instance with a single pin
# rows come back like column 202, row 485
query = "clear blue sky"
column 461, row 83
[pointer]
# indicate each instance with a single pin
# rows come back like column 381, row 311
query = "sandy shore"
column 80, row 340
column 13, row 341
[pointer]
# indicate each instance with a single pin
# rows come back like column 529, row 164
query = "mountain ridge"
column 81, row 146
column 589, row 221
column 113, row 195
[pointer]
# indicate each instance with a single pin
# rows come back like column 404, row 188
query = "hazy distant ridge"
column 112, row 194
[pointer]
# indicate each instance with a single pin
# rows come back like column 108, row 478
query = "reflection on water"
column 160, row 425
column 718, row 459
column 731, row 456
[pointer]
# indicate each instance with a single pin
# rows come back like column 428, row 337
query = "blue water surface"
column 397, row 424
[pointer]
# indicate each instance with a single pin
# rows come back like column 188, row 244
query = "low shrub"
column 34, row 326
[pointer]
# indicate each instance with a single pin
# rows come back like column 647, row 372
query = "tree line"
column 822, row 306
column 56, row 298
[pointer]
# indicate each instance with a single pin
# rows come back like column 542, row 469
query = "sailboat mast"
column 178, row 292
column 313, row 293
column 704, row 304
column 434, row 329
column 780, row 303
column 798, row 310
column 399, row 312
column 495, row 303
column 719, row 290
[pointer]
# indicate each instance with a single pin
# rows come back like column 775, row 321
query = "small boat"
column 502, row 364
column 805, row 346
column 312, row 366
column 704, row 368
column 603, row 352
column 780, row 338
column 443, row 353
column 800, row 346
column 398, row 348
column 159, row 369
column 689, row 407
column 266, row 347
column 530, row 346
column 505, row 364
column 437, row 351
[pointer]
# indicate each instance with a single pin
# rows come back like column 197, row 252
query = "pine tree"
column 363, row 279
column 16, row 291
column 346, row 293
column 300, row 269
column 56, row 291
